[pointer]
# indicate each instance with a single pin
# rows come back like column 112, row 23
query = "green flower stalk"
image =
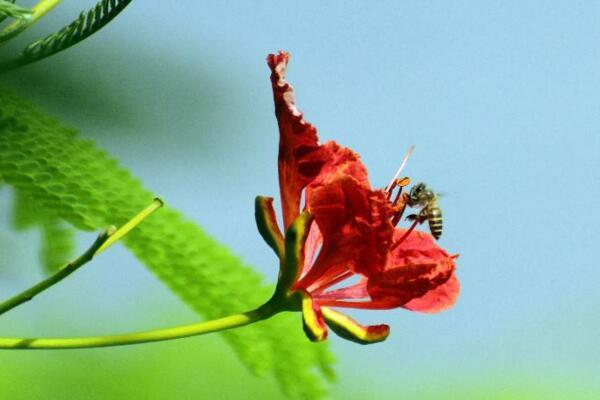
column 201, row 328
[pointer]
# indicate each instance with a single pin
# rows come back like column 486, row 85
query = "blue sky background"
column 501, row 100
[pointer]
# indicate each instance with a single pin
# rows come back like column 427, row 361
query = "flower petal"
column 300, row 157
column 341, row 161
column 438, row 299
column 355, row 223
column 349, row 329
column 418, row 248
column 415, row 267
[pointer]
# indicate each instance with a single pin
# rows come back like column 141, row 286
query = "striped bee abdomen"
column 434, row 216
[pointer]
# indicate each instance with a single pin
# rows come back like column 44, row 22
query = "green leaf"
column 84, row 186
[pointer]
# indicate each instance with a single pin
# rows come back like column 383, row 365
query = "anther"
column 401, row 183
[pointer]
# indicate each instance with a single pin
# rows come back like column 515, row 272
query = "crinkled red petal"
column 356, row 228
column 438, row 299
column 341, row 161
column 415, row 267
column 418, row 248
column 300, row 158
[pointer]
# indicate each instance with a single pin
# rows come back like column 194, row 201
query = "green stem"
column 61, row 274
column 37, row 12
column 178, row 332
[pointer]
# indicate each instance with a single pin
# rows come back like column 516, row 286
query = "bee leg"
column 418, row 218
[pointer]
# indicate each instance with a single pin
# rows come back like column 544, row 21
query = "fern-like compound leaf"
column 84, row 26
column 8, row 8
column 81, row 184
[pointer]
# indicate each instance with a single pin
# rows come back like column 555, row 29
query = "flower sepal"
column 291, row 263
column 266, row 222
column 349, row 329
column 312, row 318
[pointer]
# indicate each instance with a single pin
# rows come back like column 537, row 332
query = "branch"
column 61, row 274
column 103, row 241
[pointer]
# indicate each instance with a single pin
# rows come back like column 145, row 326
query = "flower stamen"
column 322, row 286
column 399, row 171
column 400, row 183
column 408, row 232
column 400, row 200
column 398, row 216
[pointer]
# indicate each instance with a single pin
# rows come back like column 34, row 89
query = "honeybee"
column 422, row 196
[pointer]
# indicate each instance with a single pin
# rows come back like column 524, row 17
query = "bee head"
column 420, row 194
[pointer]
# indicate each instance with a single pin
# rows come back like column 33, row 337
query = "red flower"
column 347, row 229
